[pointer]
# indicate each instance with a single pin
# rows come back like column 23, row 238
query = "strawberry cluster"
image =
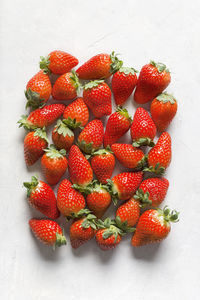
column 139, row 190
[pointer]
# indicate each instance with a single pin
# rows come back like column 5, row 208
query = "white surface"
column 139, row 30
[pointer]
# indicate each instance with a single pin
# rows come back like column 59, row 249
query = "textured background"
column 166, row 31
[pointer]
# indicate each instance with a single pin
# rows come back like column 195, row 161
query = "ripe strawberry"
column 152, row 191
column 118, row 124
column 77, row 112
column 42, row 116
column 38, row 90
column 103, row 163
column 80, row 170
column 34, row 144
column 143, row 129
column 163, row 110
column 48, row 232
column 58, row 62
column 123, row 84
column 91, row 137
column 69, row 201
column 41, row 197
column 99, row 66
column 97, row 96
column 128, row 213
column 66, row 87
column 153, row 226
column 62, row 136
column 159, row 157
column 54, row 164
column 152, row 81
column 129, row 156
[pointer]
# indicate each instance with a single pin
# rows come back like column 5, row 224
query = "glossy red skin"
column 109, row 243
column 77, row 110
column 161, row 153
column 123, row 86
column 97, row 67
column 53, row 168
column 98, row 202
column 61, row 62
column 46, row 116
column 61, row 141
column 127, row 155
column 103, row 166
column 40, row 83
column 69, row 200
column 43, row 199
column 80, row 235
column 98, row 99
column 33, row 148
column 64, row 88
column 45, row 230
column 157, row 188
column 80, row 170
column 142, row 125
column 150, row 84
column 129, row 212
column 150, row 228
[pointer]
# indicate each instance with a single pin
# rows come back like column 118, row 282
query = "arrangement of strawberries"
column 90, row 159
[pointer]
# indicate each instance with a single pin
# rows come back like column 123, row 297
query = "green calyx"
column 143, row 142
column 124, row 112
column 33, row 99
column 112, row 190
column 157, row 169
column 86, row 147
column 81, row 213
column 94, row 186
column 142, row 163
column 52, row 152
column 143, row 198
column 165, row 97
column 90, row 221
column 116, row 64
column 92, row 84
column 23, row 122
column 128, row 71
column 160, row 66
column 44, row 64
column 62, row 129
column 123, row 225
column 111, row 228
column 102, row 151
column 41, row 133
column 30, row 186
column 169, row 215
column 72, row 123
column 60, row 240
column 75, row 81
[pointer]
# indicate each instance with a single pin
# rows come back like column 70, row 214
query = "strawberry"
column 128, row 213
column 77, row 112
column 97, row 96
column 163, row 110
column 99, row 66
column 54, row 164
column 91, row 137
column 118, row 124
column 143, row 129
column 153, row 226
column 48, row 232
column 62, row 136
column 103, row 163
column 159, row 157
column 58, row 62
column 34, row 144
column 82, row 230
column 38, row 90
column 41, row 196
column 129, row 156
column 152, row 81
column 80, row 170
column 123, row 84
column 42, row 116
column 66, row 87
column 69, row 201
column 124, row 185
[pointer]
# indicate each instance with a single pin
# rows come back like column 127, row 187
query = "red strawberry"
column 48, row 232
column 77, row 112
column 159, row 157
column 152, row 81
column 62, row 136
column 38, row 90
column 58, row 62
column 99, row 66
column 123, row 84
column 69, row 201
column 152, row 191
column 129, row 156
column 128, row 213
column 163, row 110
column 66, row 87
column 91, row 138
column 97, row 96
column 80, row 170
column 103, row 163
column 153, row 226
column 34, row 144
column 54, row 164
column 42, row 197
column 42, row 116
column 143, row 129
column 118, row 124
